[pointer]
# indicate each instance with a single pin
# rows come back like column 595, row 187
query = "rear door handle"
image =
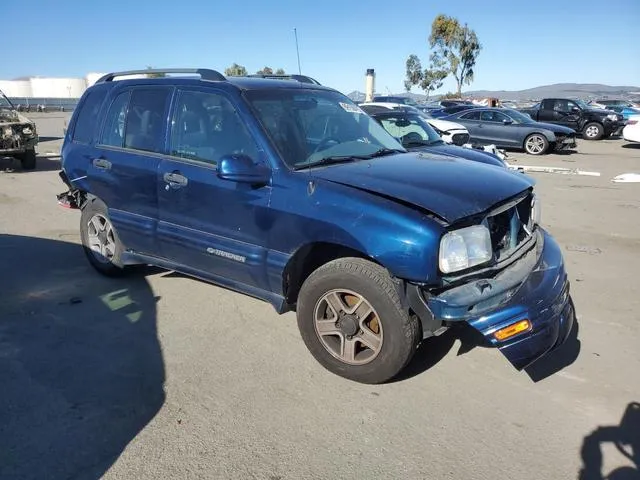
column 175, row 180
column 101, row 163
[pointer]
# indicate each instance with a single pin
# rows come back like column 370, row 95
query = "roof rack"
column 205, row 73
column 299, row 78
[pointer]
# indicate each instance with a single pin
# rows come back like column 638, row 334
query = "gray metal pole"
column 295, row 32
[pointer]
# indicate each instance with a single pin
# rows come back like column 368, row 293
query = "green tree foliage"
column 429, row 79
column 455, row 47
column 280, row 71
column 265, row 71
column 235, row 70
column 154, row 74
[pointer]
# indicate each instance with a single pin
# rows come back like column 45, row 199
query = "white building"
column 48, row 87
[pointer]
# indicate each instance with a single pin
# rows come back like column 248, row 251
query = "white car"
column 631, row 131
column 450, row 132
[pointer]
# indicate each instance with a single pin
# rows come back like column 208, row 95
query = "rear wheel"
column 100, row 240
column 28, row 159
column 593, row 131
column 351, row 320
column 536, row 144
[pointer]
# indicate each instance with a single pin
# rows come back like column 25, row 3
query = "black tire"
column 593, row 131
column 28, row 160
column 111, row 267
column 536, row 144
column 400, row 330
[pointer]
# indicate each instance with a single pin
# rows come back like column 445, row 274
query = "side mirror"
column 507, row 121
column 575, row 109
column 242, row 169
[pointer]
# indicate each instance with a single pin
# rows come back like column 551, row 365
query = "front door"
column 495, row 130
column 216, row 227
column 566, row 113
column 123, row 167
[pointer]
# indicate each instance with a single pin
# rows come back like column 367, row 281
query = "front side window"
column 316, row 126
column 206, row 127
column 145, row 125
column 493, row 116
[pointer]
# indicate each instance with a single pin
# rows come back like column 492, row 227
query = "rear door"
column 123, row 168
column 471, row 120
column 216, row 227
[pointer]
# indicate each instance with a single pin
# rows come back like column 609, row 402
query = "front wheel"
column 100, row 241
column 593, row 131
column 28, row 159
column 351, row 320
column 536, row 144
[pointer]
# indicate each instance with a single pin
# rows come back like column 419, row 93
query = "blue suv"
column 285, row 190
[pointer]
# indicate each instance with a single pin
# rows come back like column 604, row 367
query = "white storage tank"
column 47, row 87
column 16, row 88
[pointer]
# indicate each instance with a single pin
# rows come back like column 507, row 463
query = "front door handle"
column 175, row 180
column 101, row 163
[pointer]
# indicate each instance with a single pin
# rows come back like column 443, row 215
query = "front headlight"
column 612, row 117
column 465, row 248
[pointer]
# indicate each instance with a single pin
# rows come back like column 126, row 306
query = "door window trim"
column 129, row 90
column 203, row 163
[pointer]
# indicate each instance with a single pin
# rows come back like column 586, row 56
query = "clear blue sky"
column 525, row 43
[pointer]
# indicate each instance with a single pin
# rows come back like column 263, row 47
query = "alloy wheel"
column 101, row 238
column 348, row 327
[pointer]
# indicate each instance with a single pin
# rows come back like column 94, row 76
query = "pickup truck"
column 592, row 123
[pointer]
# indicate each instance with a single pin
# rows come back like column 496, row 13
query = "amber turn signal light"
column 513, row 329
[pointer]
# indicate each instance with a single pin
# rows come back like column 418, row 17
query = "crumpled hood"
column 12, row 116
column 444, row 125
column 450, row 187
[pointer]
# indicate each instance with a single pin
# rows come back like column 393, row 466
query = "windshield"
column 519, row 116
column 412, row 130
column 310, row 127
column 5, row 104
column 581, row 104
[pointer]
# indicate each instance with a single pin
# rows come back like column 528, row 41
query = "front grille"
column 510, row 227
column 460, row 138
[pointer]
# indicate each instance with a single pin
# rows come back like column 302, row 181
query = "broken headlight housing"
column 465, row 248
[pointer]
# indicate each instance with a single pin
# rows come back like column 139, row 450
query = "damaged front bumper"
column 534, row 288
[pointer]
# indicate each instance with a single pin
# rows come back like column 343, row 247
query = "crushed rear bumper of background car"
column 534, row 288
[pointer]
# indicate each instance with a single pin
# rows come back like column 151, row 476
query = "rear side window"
column 471, row 116
column 113, row 132
column 145, row 123
column 87, row 116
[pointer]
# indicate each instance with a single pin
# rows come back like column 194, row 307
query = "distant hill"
column 579, row 90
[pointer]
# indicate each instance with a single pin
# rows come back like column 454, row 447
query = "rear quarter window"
column 88, row 116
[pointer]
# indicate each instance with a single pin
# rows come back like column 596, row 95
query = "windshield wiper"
column 383, row 152
column 422, row 143
column 331, row 160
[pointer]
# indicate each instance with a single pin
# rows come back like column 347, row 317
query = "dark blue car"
column 287, row 191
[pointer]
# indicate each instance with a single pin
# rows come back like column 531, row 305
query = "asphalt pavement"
column 161, row 376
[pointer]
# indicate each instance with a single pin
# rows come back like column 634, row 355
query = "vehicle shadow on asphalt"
column 81, row 368
column 43, row 164
column 626, row 439
column 560, row 358
column 632, row 146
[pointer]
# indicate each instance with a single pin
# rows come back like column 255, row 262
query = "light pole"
column 295, row 32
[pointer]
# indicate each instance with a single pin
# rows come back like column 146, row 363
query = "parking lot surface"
column 161, row 376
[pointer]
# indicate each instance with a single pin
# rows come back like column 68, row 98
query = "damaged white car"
column 18, row 135
column 450, row 132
